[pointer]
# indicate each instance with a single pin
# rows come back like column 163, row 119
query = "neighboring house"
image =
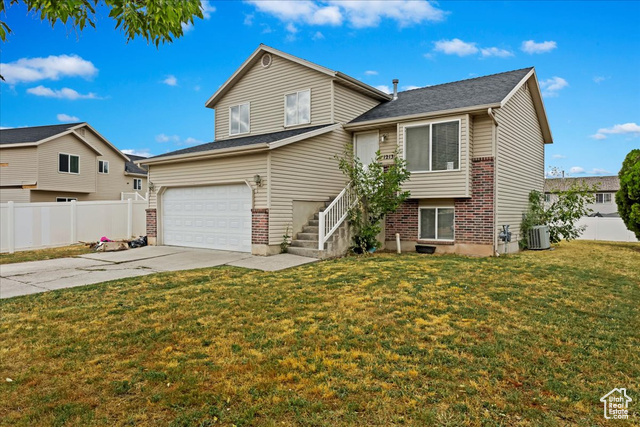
column 475, row 149
column 605, row 195
column 63, row 163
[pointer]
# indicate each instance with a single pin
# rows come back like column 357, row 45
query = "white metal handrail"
column 334, row 215
column 133, row 195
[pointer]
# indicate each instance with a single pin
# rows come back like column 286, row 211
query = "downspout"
column 495, row 181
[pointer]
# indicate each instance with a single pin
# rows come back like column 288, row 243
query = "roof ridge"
column 45, row 126
column 466, row 80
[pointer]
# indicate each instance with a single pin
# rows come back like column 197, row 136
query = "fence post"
column 129, row 218
column 11, row 228
column 74, row 222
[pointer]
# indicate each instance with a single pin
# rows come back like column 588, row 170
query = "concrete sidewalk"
column 41, row 276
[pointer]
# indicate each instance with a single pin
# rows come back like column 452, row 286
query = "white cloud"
column 550, row 87
column 559, row 156
column 371, row 73
column 186, row 28
column 175, row 139
column 49, row 68
column 599, row 79
column 384, row 88
column 65, row 118
column 191, row 141
column 318, row 36
column 171, row 80
column 625, row 129
column 455, row 47
column 410, row 87
column 144, row 152
column 599, row 171
column 167, row 138
column 532, row 47
column 207, row 9
column 358, row 14
column 495, row 51
column 64, row 93
column 576, row 170
column 291, row 28
column 248, row 19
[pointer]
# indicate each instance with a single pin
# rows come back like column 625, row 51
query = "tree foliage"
column 378, row 189
column 561, row 214
column 157, row 21
column 628, row 196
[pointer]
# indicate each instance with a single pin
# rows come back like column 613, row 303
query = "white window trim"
column 137, row 180
column 103, row 163
column 604, row 202
column 431, row 123
column 68, row 154
column 238, row 105
column 65, row 199
column 285, row 107
column 436, row 230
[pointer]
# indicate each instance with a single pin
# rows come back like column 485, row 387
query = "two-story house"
column 475, row 149
column 65, row 162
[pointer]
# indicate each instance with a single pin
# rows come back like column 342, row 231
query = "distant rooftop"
column 32, row 133
column 604, row 183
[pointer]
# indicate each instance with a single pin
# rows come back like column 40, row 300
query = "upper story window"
column 137, row 184
column 68, row 163
column 239, row 116
column 103, row 166
column 602, row 198
column 433, row 147
column 297, row 108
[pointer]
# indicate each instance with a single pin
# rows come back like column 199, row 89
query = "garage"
column 211, row 217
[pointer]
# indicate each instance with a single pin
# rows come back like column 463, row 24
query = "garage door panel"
column 215, row 217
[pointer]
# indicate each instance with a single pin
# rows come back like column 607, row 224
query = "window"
column 603, row 198
column 68, row 163
column 65, row 199
column 436, row 223
column 297, row 108
column 137, row 184
column 433, row 147
column 547, row 197
column 239, row 119
column 103, row 166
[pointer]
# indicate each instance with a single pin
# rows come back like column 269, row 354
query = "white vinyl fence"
column 42, row 225
column 603, row 228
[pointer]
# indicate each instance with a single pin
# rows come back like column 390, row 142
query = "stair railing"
column 334, row 215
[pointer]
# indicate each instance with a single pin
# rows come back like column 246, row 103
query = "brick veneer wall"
column 403, row 221
column 152, row 223
column 474, row 217
column 260, row 226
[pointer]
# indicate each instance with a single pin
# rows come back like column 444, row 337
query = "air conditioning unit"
column 539, row 237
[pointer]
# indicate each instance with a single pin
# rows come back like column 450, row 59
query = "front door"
column 366, row 145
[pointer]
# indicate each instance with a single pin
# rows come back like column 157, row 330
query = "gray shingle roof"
column 604, row 183
column 132, row 167
column 239, row 142
column 461, row 94
column 32, row 133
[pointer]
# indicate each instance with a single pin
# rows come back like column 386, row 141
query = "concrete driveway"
column 41, row 276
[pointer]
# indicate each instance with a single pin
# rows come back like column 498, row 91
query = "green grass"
column 530, row 339
column 42, row 254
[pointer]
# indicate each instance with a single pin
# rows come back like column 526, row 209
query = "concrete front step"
column 307, row 236
column 306, row 244
column 310, row 229
column 308, row 252
column 314, row 222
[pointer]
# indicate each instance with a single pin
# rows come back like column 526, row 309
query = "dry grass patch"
column 530, row 339
column 42, row 254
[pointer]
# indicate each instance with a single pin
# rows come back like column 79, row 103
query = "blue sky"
column 148, row 100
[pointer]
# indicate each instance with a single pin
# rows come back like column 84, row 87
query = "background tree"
column 628, row 196
column 378, row 190
column 154, row 20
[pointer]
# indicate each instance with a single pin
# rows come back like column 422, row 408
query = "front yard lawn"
column 530, row 339
column 42, row 254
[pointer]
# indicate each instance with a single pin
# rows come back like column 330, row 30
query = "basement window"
column 436, row 224
column 68, row 163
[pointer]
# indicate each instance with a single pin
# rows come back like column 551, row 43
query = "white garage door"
column 213, row 217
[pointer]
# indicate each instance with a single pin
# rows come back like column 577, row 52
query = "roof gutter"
column 223, row 152
column 393, row 120
column 373, row 91
column 493, row 117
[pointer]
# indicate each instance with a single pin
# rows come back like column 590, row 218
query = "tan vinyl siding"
column 21, row 166
column 16, row 195
column 349, row 104
column 48, row 176
column 265, row 89
column 441, row 184
column 226, row 170
column 482, row 136
column 306, row 170
column 520, row 165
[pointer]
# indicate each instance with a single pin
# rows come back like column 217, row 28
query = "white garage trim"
column 213, row 215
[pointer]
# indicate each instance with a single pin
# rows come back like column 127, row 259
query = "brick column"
column 260, row 226
column 474, row 217
column 152, row 223
column 403, row 221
